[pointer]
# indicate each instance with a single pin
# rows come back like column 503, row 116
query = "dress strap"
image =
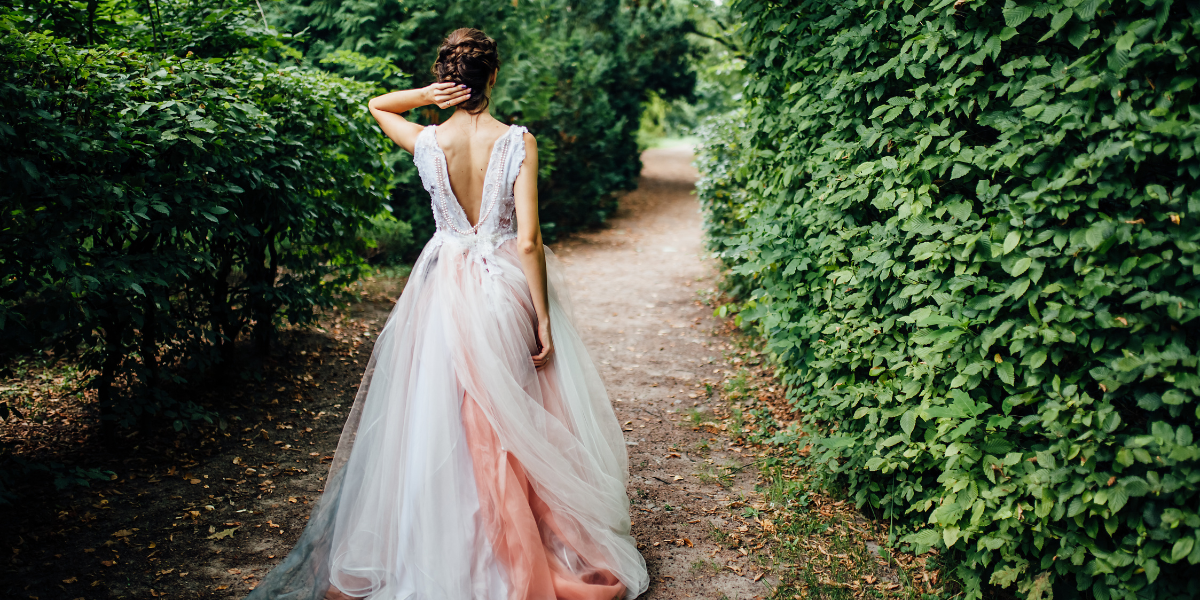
column 422, row 144
column 516, row 155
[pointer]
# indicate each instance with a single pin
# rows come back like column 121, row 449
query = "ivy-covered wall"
column 968, row 232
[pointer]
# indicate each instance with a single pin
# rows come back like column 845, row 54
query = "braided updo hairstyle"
column 468, row 57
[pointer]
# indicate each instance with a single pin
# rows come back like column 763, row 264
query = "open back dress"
column 462, row 471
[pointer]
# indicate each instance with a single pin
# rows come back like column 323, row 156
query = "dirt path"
column 206, row 513
column 637, row 287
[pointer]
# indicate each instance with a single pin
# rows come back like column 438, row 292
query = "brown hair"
column 468, row 57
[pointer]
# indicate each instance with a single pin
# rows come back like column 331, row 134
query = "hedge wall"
column 968, row 231
column 156, row 209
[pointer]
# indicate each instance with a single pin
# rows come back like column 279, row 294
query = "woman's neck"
column 462, row 118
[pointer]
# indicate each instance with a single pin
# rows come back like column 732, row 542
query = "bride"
column 481, row 459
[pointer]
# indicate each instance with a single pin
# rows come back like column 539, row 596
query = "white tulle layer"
column 400, row 516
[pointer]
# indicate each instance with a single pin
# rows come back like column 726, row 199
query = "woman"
column 482, row 459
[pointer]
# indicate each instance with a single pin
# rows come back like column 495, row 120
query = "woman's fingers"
column 542, row 358
column 448, row 94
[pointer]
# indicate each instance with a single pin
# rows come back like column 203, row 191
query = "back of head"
column 468, row 57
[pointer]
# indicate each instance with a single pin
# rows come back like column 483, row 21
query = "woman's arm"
column 529, row 245
column 387, row 109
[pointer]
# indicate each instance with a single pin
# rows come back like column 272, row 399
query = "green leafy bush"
column 388, row 239
column 575, row 73
column 968, row 232
column 155, row 209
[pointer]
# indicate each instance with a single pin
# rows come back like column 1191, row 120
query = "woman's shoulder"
column 425, row 134
column 516, row 127
column 530, row 141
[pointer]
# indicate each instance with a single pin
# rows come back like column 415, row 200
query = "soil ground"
column 641, row 289
column 206, row 515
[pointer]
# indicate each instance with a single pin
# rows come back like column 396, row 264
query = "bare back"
column 468, row 145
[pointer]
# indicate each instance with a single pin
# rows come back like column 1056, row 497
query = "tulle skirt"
column 462, row 472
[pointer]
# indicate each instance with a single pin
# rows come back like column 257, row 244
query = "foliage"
column 213, row 28
column 388, row 239
column 719, row 80
column 968, row 232
column 157, row 207
column 576, row 74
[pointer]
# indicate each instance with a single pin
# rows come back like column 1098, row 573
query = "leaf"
column 938, row 321
column 997, row 446
column 1129, row 363
column 1060, row 19
column 1183, row 435
column 1087, row 9
column 1005, row 371
column 1135, row 486
column 1016, row 15
column 1152, row 569
column 1181, row 549
column 29, row 168
column 1117, row 497
column 1173, row 397
column 959, row 170
column 1098, row 233
column 1078, row 34
column 224, row 533
column 923, row 540
column 950, row 536
column 1011, row 240
column 908, row 421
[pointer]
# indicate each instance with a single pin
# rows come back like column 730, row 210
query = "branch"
column 736, row 52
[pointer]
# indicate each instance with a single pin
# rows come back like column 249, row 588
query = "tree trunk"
column 225, row 321
column 93, row 37
column 114, row 331
column 149, row 342
column 265, row 306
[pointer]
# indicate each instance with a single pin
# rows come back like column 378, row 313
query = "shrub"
column 968, row 233
column 388, row 239
column 157, row 208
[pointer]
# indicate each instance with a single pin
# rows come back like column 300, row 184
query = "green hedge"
column 156, row 209
column 968, row 232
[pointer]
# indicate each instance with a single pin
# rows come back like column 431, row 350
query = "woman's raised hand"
column 447, row 93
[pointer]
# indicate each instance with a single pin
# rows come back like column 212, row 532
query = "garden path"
column 640, row 287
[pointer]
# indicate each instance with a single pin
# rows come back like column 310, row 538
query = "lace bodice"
column 497, row 213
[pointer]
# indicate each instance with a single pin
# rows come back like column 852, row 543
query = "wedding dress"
column 462, row 472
